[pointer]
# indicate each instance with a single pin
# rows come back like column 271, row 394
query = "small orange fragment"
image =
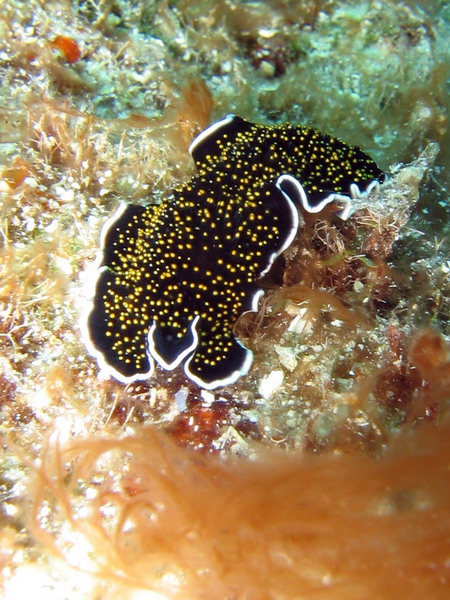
column 16, row 174
column 68, row 48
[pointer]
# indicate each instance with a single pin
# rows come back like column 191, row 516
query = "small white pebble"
column 30, row 224
column 226, row 67
column 358, row 285
column 207, row 396
column 63, row 265
column 67, row 195
column 10, row 509
column 31, row 181
column 267, row 68
column 337, row 323
column 300, row 324
column 91, row 493
column 52, row 226
column 270, row 383
column 287, row 357
column 180, row 398
column 267, row 33
column 92, row 221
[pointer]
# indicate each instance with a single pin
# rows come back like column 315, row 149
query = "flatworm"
column 171, row 279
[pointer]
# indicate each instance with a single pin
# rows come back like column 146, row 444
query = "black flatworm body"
column 171, row 280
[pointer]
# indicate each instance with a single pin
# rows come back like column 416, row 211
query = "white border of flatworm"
column 208, row 131
column 159, row 359
column 302, row 199
column 93, row 273
column 235, row 375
